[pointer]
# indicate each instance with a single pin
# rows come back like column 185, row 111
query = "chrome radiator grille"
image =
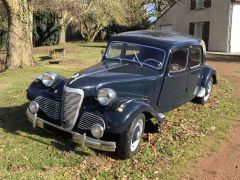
column 49, row 107
column 72, row 101
column 88, row 120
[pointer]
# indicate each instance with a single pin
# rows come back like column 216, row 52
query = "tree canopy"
column 92, row 17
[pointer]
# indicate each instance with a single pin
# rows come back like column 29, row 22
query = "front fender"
column 37, row 89
column 119, row 121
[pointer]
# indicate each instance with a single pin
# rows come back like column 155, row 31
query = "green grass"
column 190, row 132
column 80, row 52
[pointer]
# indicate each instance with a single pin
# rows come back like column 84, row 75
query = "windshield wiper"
column 136, row 58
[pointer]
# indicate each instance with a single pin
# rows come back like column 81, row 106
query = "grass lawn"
column 190, row 131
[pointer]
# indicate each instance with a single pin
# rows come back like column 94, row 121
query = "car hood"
column 125, row 78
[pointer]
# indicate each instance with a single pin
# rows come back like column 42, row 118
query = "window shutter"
column 207, row 3
column 193, row 4
column 205, row 33
column 191, row 28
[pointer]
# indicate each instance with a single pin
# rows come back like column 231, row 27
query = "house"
column 217, row 22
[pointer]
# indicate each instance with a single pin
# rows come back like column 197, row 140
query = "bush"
column 45, row 29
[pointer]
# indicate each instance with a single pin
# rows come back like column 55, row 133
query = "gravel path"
column 225, row 163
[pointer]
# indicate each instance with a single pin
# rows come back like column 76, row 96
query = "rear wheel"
column 130, row 140
column 204, row 100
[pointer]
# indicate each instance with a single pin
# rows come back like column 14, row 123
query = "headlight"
column 48, row 78
column 106, row 96
column 33, row 107
column 97, row 131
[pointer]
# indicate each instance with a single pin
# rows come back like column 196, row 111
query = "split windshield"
column 144, row 55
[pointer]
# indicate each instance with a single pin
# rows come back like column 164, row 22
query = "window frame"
column 206, row 4
column 190, row 56
column 173, row 51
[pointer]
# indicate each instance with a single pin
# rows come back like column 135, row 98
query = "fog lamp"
column 97, row 131
column 33, row 107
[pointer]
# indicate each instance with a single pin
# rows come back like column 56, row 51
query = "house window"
column 166, row 28
column 200, row 4
column 200, row 30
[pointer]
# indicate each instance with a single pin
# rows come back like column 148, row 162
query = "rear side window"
column 196, row 56
column 179, row 60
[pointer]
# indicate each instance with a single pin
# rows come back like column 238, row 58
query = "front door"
column 174, row 87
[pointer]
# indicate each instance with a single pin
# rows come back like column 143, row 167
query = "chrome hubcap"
column 137, row 134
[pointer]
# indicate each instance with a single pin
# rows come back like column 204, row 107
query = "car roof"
column 158, row 39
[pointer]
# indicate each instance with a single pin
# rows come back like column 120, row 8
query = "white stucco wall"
column 180, row 16
column 219, row 25
column 235, row 35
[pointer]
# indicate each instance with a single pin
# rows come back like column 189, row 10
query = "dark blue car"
column 142, row 75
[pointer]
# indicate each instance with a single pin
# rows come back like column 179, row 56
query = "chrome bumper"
column 82, row 139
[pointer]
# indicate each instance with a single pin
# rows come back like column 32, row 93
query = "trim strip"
column 95, row 73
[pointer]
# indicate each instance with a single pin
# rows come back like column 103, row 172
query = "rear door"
column 195, row 70
column 174, row 87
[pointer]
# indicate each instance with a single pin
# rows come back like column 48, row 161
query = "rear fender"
column 208, row 73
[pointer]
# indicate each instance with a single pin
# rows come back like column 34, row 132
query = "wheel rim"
column 137, row 134
column 208, row 90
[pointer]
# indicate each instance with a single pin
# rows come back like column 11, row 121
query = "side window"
column 196, row 56
column 115, row 51
column 178, row 61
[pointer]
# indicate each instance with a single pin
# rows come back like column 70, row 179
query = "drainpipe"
column 230, row 26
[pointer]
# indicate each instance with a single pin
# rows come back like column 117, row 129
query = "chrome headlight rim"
column 48, row 78
column 106, row 96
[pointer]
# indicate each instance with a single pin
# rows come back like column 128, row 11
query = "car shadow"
column 151, row 127
column 13, row 120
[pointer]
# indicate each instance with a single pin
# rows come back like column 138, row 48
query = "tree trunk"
column 62, row 35
column 64, row 19
column 98, row 29
column 19, row 49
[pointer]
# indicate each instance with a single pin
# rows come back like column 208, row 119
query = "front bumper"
column 82, row 139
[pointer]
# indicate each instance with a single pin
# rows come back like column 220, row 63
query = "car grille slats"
column 72, row 100
column 88, row 120
column 69, row 111
column 50, row 107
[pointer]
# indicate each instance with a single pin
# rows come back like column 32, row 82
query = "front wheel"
column 130, row 140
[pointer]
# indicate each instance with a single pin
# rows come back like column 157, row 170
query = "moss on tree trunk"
column 19, row 49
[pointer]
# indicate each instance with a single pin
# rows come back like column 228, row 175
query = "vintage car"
column 142, row 75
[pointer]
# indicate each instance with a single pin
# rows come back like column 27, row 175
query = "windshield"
column 141, row 54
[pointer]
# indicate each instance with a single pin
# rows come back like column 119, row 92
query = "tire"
column 204, row 100
column 129, row 141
